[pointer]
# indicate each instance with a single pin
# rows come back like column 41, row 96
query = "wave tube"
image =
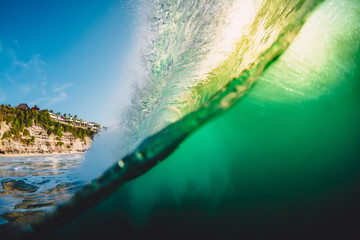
column 282, row 163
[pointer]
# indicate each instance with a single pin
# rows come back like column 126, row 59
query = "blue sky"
column 65, row 55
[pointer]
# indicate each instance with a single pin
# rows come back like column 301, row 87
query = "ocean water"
column 47, row 181
column 244, row 124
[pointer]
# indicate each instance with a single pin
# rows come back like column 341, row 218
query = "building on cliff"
column 35, row 108
column 23, row 106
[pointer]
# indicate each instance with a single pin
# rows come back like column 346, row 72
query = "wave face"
column 199, row 46
column 202, row 56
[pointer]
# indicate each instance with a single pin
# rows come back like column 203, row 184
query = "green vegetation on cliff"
column 19, row 120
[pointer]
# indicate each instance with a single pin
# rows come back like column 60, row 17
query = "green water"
column 285, row 170
column 298, row 137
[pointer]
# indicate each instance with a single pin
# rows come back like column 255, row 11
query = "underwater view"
column 242, row 122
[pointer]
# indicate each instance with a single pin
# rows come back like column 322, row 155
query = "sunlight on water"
column 236, row 19
column 321, row 59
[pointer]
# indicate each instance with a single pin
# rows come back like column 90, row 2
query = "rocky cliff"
column 42, row 144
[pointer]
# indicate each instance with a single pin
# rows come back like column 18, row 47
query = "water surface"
column 37, row 183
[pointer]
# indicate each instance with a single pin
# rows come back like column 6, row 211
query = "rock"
column 44, row 181
column 34, row 203
column 21, row 217
column 59, row 188
column 18, row 186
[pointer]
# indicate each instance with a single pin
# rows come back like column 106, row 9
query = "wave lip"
column 199, row 47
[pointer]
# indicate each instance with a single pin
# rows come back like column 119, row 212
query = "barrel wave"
column 200, row 46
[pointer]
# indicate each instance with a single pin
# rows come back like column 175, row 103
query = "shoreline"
column 39, row 154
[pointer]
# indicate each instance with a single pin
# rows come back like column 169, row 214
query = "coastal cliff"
column 43, row 144
column 30, row 131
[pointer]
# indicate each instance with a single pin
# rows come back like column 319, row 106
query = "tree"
column 26, row 132
column 29, row 122
column 58, row 130
column 49, row 132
